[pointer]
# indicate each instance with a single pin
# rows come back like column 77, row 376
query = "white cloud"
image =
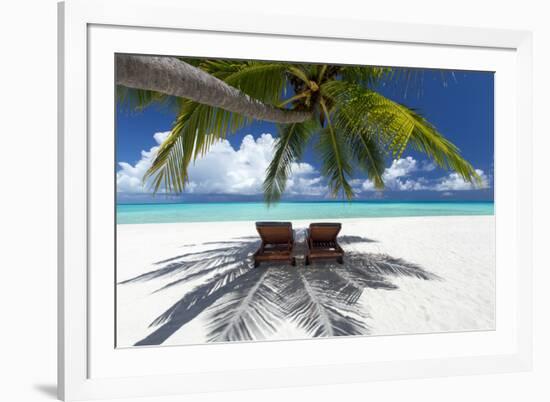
column 398, row 177
column 297, row 185
column 412, row 184
column 400, row 167
column 129, row 178
column 394, row 176
column 225, row 170
column 454, row 182
column 427, row 166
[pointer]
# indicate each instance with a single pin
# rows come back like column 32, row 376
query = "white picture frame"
column 90, row 367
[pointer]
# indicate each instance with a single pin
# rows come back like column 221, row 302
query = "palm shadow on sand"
column 246, row 303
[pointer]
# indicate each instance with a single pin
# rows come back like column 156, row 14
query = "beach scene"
column 271, row 200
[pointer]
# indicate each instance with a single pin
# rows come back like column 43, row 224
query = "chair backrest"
column 275, row 232
column 324, row 231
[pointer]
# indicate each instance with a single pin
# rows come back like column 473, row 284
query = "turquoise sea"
column 258, row 211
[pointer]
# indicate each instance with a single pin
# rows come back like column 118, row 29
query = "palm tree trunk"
column 174, row 77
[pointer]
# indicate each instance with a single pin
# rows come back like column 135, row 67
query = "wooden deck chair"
column 322, row 242
column 277, row 242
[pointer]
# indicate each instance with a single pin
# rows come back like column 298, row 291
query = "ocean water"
column 258, row 211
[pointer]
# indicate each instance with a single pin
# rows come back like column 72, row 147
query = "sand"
column 188, row 283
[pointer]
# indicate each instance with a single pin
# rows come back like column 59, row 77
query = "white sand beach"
column 186, row 283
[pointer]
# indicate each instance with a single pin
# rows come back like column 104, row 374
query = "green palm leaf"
column 405, row 80
column 368, row 155
column 335, row 158
column 196, row 129
column 396, row 126
column 364, row 75
column 264, row 81
column 363, row 143
column 289, row 148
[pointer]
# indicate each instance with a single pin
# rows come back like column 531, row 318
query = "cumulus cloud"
column 399, row 177
column 454, row 182
column 427, row 166
column 395, row 177
column 226, row 170
column 399, row 168
column 129, row 179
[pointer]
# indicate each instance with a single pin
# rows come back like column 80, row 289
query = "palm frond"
column 288, row 148
column 364, row 144
column 368, row 155
column 396, row 126
column 364, row 75
column 405, row 80
column 196, row 129
column 300, row 71
column 336, row 165
column 264, row 81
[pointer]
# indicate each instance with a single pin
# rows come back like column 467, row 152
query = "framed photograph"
column 249, row 204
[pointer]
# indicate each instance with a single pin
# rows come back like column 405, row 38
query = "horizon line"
column 315, row 201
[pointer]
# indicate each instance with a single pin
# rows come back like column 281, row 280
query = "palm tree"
column 337, row 107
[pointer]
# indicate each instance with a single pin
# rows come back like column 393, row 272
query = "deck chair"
column 277, row 242
column 322, row 243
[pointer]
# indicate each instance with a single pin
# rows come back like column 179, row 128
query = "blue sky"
column 460, row 106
